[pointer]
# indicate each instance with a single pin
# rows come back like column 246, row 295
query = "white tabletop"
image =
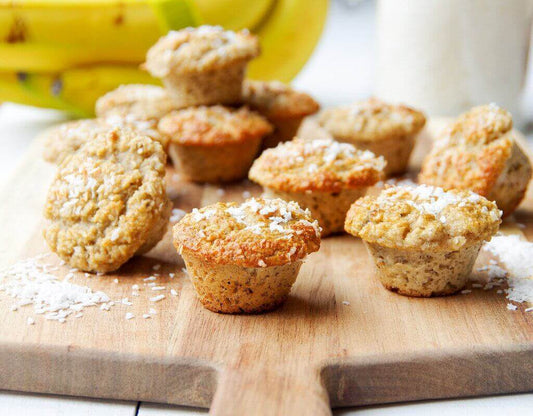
column 347, row 49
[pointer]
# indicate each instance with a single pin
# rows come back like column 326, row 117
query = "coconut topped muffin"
column 472, row 152
column 107, row 201
column 136, row 101
column 371, row 120
column 64, row 140
column 277, row 100
column 423, row 218
column 318, row 165
column 215, row 125
column 204, row 48
column 257, row 233
column 480, row 125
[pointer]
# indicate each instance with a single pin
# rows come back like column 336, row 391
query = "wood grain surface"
column 340, row 340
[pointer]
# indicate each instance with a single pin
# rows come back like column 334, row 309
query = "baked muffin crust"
column 276, row 100
column 106, row 199
column 214, row 125
column 423, row 218
column 204, row 48
column 257, row 233
column 138, row 101
column 472, row 152
column 371, row 120
column 318, row 165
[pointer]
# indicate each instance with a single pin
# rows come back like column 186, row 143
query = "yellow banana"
column 74, row 90
column 288, row 37
column 66, row 53
column 54, row 35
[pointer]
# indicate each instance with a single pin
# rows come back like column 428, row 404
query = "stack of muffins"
column 108, row 200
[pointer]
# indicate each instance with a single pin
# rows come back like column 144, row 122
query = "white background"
column 340, row 71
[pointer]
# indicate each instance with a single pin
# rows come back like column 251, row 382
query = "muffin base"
column 511, row 186
column 284, row 130
column 423, row 274
column 396, row 151
column 227, row 288
column 329, row 209
column 219, row 86
column 214, row 164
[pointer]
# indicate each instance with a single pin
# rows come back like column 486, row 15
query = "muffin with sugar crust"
column 108, row 202
column 245, row 258
column 479, row 152
column 322, row 175
column 136, row 101
column 214, row 144
column 423, row 240
column 284, row 107
column 204, row 65
column 387, row 130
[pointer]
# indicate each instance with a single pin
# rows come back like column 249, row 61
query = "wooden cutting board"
column 340, row 340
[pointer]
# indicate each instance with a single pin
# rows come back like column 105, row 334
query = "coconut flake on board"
column 516, row 255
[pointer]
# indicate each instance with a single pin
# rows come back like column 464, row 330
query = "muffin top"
column 276, row 100
column 215, row 125
column 257, row 233
column 137, row 101
column 423, row 218
column 199, row 49
column 65, row 140
column 318, row 165
column 472, row 152
column 105, row 200
column 371, row 120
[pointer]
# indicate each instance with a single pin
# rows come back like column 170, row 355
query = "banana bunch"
column 64, row 54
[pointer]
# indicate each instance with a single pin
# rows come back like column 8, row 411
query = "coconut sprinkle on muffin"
column 244, row 258
column 385, row 129
column 322, row 175
column 479, row 152
column 424, row 240
column 203, row 65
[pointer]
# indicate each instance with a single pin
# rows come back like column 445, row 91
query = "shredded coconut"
column 31, row 282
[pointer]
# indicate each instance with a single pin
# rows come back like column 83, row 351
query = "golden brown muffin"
column 385, row 129
column 135, row 101
column 423, row 240
column 214, row 144
column 108, row 201
column 479, row 152
column 65, row 139
column 203, row 65
column 244, row 258
column 284, row 107
column 322, row 175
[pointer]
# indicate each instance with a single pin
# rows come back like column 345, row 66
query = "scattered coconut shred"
column 31, row 282
column 516, row 255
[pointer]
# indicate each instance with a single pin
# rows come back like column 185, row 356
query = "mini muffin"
column 204, row 65
column 245, row 258
column 214, row 144
column 423, row 240
column 479, row 152
column 385, row 129
column 65, row 139
column 136, row 101
column 108, row 201
column 322, row 175
column 284, row 107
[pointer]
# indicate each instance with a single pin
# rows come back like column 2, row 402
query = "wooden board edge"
column 428, row 375
column 54, row 370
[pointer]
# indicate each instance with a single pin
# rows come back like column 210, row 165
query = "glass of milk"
column 445, row 56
